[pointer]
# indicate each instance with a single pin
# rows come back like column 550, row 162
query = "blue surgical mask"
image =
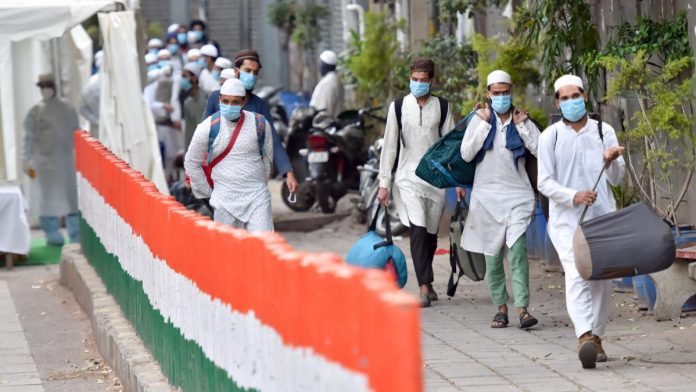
column 173, row 48
column 230, row 112
column 198, row 34
column 202, row 62
column 248, row 80
column 186, row 84
column 153, row 51
column 216, row 74
column 152, row 67
column 164, row 63
column 419, row 89
column 573, row 109
column 501, row 103
column 181, row 38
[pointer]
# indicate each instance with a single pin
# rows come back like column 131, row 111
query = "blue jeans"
column 51, row 226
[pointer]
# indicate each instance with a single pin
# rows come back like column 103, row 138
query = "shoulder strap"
column 261, row 131
column 214, row 131
column 444, row 108
column 397, row 111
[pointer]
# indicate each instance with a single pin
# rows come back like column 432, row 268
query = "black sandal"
column 500, row 321
column 527, row 320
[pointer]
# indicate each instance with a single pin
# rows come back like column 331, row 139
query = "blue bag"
column 373, row 251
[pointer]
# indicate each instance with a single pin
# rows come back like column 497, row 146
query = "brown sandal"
column 500, row 320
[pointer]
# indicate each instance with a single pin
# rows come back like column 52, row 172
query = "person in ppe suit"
column 572, row 153
column 328, row 94
column 502, row 198
column 90, row 97
column 49, row 155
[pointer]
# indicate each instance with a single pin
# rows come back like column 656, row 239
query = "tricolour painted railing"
column 222, row 309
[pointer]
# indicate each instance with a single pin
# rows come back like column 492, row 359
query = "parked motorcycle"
column 298, row 130
column 366, row 202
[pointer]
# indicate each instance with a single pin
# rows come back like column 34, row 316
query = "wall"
column 222, row 309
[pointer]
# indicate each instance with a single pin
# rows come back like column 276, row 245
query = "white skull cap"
column 193, row 54
column 223, row 63
column 209, row 50
column 150, row 58
column 155, row 43
column 498, row 76
column 233, row 87
column 194, row 68
column 328, row 57
column 567, row 80
column 164, row 53
column 172, row 28
column 227, row 73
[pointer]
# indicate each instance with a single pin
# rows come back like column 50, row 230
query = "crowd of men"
column 203, row 104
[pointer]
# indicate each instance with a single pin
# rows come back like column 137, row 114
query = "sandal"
column 527, row 320
column 500, row 321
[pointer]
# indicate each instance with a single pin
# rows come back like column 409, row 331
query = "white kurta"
column 416, row 201
column 502, row 199
column 241, row 178
column 569, row 162
column 172, row 138
column 90, row 103
column 207, row 82
column 50, row 150
column 328, row 94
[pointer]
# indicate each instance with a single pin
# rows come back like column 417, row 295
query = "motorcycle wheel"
column 397, row 227
column 305, row 197
column 326, row 202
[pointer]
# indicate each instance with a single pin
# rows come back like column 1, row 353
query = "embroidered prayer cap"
column 328, row 57
column 567, row 80
column 209, row 50
column 246, row 54
column 233, row 87
column 223, row 63
column 498, row 76
column 227, row 74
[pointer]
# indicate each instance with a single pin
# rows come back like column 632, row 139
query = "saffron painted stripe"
column 252, row 353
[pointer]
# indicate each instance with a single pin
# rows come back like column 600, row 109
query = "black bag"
column 473, row 265
column 628, row 242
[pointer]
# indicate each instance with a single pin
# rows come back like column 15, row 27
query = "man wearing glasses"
column 502, row 199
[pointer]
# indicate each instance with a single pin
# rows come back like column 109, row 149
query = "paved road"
column 462, row 353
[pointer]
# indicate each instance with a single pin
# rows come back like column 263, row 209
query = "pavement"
column 462, row 353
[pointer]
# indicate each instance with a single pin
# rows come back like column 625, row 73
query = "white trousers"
column 587, row 300
column 261, row 220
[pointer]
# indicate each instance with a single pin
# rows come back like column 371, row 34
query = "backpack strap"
column 397, row 110
column 214, row 131
column 444, row 109
column 261, row 132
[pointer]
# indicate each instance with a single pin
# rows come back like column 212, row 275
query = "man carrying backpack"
column 229, row 160
column 414, row 123
column 502, row 198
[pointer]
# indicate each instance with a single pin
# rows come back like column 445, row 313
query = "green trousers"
column 519, row 267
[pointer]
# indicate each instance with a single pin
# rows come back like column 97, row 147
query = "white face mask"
column 47, row 93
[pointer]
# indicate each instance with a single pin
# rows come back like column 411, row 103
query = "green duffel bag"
column 473, row 265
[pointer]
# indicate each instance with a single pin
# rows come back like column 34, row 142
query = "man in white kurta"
column 419, row 204
column 328, row 94
column 91, row 94
column 240, row 196
column 502, row 199
column 571, row 155
column 50, row 159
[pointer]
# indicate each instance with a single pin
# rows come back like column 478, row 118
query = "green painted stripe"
column 182, row 361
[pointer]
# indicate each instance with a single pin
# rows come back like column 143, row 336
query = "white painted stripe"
column 253, row 354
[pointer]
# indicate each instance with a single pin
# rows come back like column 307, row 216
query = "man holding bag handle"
column 572, row 153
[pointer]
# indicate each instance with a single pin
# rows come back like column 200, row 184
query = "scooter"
column 366, row 203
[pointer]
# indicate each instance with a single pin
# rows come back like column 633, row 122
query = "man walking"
column 572, row 153
column 502, row 199
column 50, row 158
column 414, row 123
column 241, row 157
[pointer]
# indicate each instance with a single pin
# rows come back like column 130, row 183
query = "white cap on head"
column 154, row 74
column 194, row 68
column 567, row 80
column 227, row 73
column 209, row 50
column 328, row 57
column 193, row 54
column 155, row 43
column 233, row 87
column 223, row 63
column 498, row 76
column 164, row 53
column 150, row 58
column 173, row 28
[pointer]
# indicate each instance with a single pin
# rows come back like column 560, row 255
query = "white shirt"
column 415, row 199
column 328, row 94
column 90, row 101
column 241, row 177
column 502, row 199
column 570, row 162
column 207, row 82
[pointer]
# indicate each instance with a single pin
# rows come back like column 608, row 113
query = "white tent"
column 26, row 26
